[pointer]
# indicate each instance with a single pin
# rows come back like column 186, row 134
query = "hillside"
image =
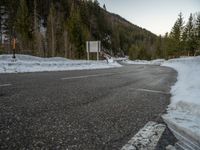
column 51, row 28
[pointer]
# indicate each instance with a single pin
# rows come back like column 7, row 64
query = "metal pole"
column 14, row 47
column 98, row 51
column 14, row 43
column 88, row 50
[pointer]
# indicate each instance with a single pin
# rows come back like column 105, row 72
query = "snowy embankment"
column 183, row 115
column 26, row 63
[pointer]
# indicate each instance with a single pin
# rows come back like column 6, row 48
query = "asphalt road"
column 81, row 110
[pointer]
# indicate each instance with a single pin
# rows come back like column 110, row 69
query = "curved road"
column 87, row 110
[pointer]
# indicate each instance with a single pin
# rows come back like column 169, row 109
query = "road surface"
column 87, row 110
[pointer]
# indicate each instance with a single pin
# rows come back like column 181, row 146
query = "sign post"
column 88, row 51
column 93, row 47
column 14, row 47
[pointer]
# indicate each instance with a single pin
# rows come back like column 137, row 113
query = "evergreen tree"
column 104, row 7
column 51, row 31
column 115, row 40
column 184, row 39
column 96, row 4
column 198, row 31
column 60, row 29
column 134, row 52
column 159, row 53
column 11, row 7
column 78, row 32
column 176, row 33
column 22, row 25
column 67, row 52
column 190, row 35
column 2, row 21
column 165, row 45
column 38, row 38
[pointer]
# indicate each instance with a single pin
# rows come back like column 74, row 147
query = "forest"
column 60, row 28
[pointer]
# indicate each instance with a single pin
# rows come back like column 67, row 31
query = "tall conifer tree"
column 22, row 24
column 51, row 31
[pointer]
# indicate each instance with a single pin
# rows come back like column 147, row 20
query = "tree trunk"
column 66, row 44
column 52, row 37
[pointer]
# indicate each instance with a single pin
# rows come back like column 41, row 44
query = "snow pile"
column 26, row 63
column 184, row 111
column 144, row 62
column 131, row 62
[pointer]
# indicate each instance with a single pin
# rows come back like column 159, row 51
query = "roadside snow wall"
column 183, row 116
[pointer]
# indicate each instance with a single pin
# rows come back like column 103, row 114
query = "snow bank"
column 187, row 88
column 26, row 63
column 184, row 111
column 145, row 62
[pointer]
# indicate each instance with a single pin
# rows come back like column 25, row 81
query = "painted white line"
column 147, row 138
column 4, row 85
column 152, row 91
column 87, row 76
column 95, row 75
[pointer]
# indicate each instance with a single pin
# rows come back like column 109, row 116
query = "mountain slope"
column 61, row 27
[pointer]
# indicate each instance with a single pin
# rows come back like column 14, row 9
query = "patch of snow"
column 146, row 138
column 110, row 60
column 120, row 58
column 158, row 61
column 144, row 62
column 184, row 110
column 26, row 63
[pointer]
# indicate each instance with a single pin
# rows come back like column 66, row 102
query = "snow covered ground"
column 26, row 63
column 145, row 62
column 183, row 115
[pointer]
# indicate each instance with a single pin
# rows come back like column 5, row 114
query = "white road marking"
column 4, row 85
column 96, row 75
column 87, row 76
column 152, row 91
column 147, row 138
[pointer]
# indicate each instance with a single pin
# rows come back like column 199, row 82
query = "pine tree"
column 134, row 52
column 51, row 31
column 176, row 33
column 60, row 30
column 11, row 8
column 2, row 21
column 96, row 4
column 66, row 43
column 115, row 40
column 38, row 38
column 166, row 45
column 190, row 35
column 159, row 53
column 23, row 25
column 104, row 7
column 197, row 29
column 78, row 32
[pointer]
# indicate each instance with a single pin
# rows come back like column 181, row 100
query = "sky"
column 157, row 16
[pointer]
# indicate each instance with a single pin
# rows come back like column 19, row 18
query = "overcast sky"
column 158, row 16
